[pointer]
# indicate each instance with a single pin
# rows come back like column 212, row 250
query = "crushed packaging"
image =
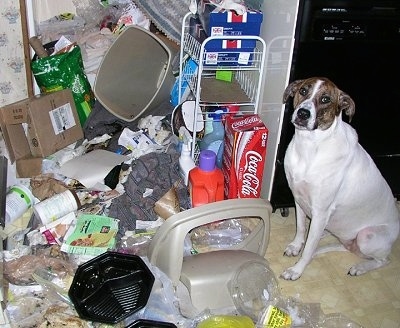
column 55, row 231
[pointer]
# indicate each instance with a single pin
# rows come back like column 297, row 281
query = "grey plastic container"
column 135, row 74
column 210, row 276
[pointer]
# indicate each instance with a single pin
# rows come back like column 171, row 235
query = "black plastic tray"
column 141, row 323
column 111, row 287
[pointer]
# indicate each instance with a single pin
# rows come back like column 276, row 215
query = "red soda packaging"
column 245, row 150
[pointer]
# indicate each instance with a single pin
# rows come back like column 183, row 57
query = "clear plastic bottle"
column 206, row 181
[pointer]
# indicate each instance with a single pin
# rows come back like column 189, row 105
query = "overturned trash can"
column 135, row 74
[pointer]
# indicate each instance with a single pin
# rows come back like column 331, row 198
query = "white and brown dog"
column 335, row 182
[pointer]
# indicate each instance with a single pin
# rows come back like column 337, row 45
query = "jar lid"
column 253, row 287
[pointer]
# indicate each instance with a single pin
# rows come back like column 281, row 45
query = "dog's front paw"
column 293, row 249
column 291, row 274
column 365, row 266
column 356, row 270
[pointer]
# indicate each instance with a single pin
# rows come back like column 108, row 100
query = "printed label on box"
column 217, row 31
column 244, row 58
column 211, row 58
column 62, row 118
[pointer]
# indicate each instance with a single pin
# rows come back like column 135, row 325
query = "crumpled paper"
column 138, row 143
column 168, row 204
column 45, row 186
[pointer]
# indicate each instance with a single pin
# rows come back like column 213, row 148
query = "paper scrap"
column 90, row 169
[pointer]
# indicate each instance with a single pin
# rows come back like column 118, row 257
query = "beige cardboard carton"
column 37, row 127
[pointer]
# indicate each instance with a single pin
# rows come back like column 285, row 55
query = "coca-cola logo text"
column 251, row 182
column 247, row 121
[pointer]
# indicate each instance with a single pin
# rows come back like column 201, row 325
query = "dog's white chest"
column 300, row 175
column 314, row 166
column 303, row 160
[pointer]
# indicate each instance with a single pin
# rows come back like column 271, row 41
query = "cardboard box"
column 232, row 53
column 218, row 21
column 37, row 127
column 237, row 52
column 245, row 150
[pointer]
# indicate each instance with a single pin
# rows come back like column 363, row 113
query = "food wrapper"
column 90, row 235
column 55, row 231
column 274, row 317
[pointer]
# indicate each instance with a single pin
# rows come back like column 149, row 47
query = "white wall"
column 46, row 9
column 278, row 32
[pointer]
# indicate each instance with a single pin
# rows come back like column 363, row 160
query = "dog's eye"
column 303, row 91
column 325, row 99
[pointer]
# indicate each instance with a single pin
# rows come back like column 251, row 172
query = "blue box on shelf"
column 223, row 52
column 218, row 21
column 232, row 53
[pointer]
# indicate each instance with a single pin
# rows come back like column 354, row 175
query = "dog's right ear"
column 346, row 104
column 291, row 89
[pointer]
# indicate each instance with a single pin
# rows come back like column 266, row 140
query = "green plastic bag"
column 66, row 71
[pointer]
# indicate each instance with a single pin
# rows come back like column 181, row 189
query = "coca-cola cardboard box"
column 245, row 150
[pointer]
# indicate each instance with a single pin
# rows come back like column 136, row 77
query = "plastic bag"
column 221, row 234
column 66, row 71
column 226, row 321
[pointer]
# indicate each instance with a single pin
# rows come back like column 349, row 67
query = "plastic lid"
column 253, row 288
column 217, row 115
column 334, row 320
column 207, row 160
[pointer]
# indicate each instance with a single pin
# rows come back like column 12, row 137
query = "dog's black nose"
column 303, row 114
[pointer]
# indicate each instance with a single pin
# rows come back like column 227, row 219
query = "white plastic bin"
column 135, row 74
